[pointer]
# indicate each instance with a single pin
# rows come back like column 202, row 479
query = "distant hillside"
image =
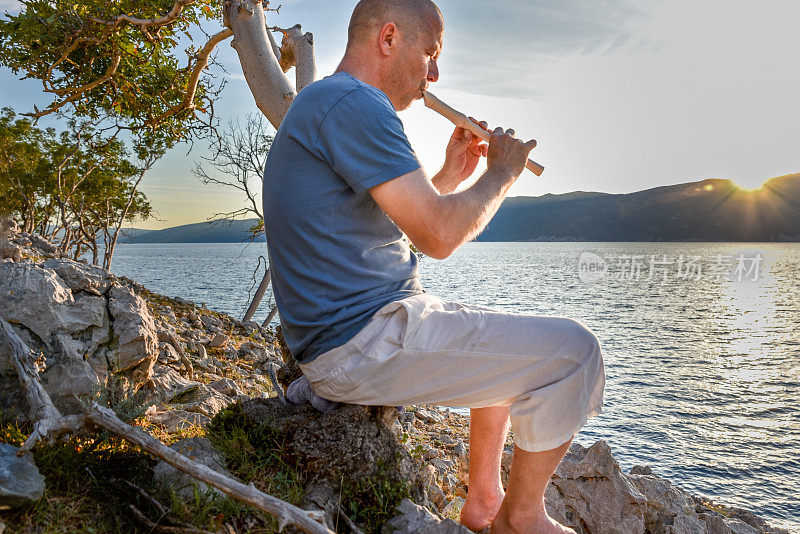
column 203, row 232
column 709, row 210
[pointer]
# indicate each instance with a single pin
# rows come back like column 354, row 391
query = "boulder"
column 20, row 481
column 60, row 308
column 134, row 332
column 590, row 493
column 80, row 276
column 338, row 449
column 200, row 450
column 9, row 250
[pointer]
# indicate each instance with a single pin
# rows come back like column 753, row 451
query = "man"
column 342, row 190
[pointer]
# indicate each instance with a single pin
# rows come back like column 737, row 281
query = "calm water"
column 701, row 343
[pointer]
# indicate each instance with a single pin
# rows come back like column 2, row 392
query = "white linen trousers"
column 423, row 350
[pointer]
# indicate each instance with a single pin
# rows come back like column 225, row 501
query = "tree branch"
column 202, row 63
column 172, row 16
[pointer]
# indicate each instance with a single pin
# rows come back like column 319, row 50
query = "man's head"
column 395, row 45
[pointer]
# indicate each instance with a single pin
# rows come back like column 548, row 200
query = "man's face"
column 415, row 65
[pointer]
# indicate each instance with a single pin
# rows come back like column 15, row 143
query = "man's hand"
column 507, row 154
column 461, row 157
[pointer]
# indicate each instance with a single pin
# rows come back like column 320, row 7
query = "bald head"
column 412, row 17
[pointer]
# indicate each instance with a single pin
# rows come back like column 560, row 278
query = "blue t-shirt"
column 336, row 257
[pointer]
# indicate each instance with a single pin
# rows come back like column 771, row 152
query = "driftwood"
column 50, row 426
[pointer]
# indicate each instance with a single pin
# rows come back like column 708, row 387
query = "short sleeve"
column 362, row 139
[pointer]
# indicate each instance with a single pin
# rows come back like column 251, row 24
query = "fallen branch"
column 167, row 337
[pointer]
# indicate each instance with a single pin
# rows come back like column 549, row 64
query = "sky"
column 621, row 95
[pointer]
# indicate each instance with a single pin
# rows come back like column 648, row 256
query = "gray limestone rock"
column 80, row 276
column 589, row 493
column 174, row 420
column 199, row 449
column 9, row 250
column 415, row 519
column 134, row 332
column 20, row 481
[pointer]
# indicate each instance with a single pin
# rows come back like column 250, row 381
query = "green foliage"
column 75, row 185
column 373, row 501
column 81, row 485
column 98, row 66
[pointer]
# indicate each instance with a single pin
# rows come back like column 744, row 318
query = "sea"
column 701, row 343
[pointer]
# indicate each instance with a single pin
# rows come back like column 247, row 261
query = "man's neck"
column 360, row 69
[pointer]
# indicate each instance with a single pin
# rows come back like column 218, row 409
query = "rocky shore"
column 201, row 382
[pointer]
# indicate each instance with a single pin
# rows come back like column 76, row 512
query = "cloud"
column 513, row 50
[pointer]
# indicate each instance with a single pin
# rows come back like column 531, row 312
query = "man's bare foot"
column 478, row 512
column 541, row 524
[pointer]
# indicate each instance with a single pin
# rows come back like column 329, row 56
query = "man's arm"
column 438, row 223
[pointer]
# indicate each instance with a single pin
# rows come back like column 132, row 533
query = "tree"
column 238, row 155
column 117, row 62
column 76, row 188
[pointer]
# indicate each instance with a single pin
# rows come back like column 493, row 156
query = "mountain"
column 228, row 231
column 708, row 210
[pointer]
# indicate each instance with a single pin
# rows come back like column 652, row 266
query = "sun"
column 749, row 183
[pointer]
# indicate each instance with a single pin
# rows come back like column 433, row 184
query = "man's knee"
column 584, row 346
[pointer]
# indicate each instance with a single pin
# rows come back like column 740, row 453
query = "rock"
column 200, row 450
column 219, row 341
column 715, row 524
column 740, row 527
column 443, row 464
column 10, row 250
column 589, row 493
column 415, row 519
column 460, row 450
column 20, row 481
column 42, row 244
column 343, row 446
column 436, row 495
column 134, row 332
column 255, row 350
column 428, row 416
column 81, row 277
column 453, row 506
column 665, row 504
column 70, row 331
column 174, row 420
column 167, row 353
column 167, row 382
column 641, row 470
column 449, row 483
column 226, row 386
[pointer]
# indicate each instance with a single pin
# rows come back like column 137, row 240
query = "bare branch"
column 172, row 16
column 75, row 92
column 39, row 404
column 202, row 63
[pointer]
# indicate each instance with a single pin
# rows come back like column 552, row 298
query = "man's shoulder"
column 325, row 94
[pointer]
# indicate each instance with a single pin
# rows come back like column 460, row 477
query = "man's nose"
column 433, row 71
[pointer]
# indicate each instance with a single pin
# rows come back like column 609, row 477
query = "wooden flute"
column 459, row 119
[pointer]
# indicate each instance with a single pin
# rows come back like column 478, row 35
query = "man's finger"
column 531, row 144
column 511, row 132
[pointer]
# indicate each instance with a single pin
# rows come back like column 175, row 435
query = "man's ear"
column 388, row 38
